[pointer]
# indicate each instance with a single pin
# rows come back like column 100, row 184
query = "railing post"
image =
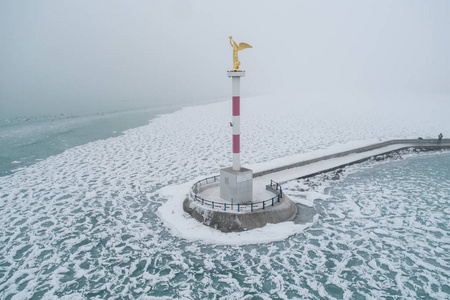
column 264, row 204
column 272, row 201
column 225, row 207
column 213, row 204
column 281, row 192
column 278, row 197
column 203, row 201
column 238, row 207
column 251, row 206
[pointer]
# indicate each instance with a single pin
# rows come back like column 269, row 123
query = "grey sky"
column 98, row 55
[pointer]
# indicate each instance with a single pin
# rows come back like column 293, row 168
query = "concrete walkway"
column 286, row 210
column 311, row 167
column 326, row 163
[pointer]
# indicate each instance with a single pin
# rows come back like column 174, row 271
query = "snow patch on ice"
column 90, row 211
column 184, row 226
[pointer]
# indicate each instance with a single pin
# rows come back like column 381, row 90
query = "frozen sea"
column 27, row 140
column 85, row 222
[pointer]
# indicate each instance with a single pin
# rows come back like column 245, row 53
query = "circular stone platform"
column 233, row 218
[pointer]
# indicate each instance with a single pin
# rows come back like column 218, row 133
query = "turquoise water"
column 25, row 141
column 83, row 224
column 387, row 230
column 384, row 233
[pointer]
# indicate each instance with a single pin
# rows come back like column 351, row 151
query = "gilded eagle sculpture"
column 236, row 48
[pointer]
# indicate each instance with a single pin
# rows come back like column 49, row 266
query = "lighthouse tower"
column 236, row 209
column 236, row 182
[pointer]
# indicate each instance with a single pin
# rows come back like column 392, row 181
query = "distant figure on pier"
column 440, row 138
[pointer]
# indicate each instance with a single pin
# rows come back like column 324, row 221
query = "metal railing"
column 251, row 206
column 204, row 182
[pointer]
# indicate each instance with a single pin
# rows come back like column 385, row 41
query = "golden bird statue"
column 236, row 48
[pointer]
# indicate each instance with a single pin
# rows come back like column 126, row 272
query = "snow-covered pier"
column 321, row 164
column 270, row 204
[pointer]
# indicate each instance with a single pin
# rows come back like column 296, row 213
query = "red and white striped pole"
column 236, row 99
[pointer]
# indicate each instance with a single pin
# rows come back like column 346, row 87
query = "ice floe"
column 97, row 221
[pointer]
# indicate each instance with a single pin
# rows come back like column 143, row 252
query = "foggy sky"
column 69, row 56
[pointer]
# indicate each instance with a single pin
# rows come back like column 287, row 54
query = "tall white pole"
column 236, row 183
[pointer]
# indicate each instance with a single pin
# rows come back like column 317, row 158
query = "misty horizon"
column 68, row 57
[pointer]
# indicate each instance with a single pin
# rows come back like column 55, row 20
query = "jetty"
column 270, row 204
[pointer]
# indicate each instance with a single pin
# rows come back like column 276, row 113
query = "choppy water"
column 24, row 141
column 383, row 233
column 84, row 224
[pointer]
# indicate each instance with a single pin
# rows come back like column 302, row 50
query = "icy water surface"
column 383, row 233
column 84, row 224
column 24, row 141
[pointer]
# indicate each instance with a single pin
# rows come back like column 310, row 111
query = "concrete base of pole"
column 224, row 221
column 236, row 186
